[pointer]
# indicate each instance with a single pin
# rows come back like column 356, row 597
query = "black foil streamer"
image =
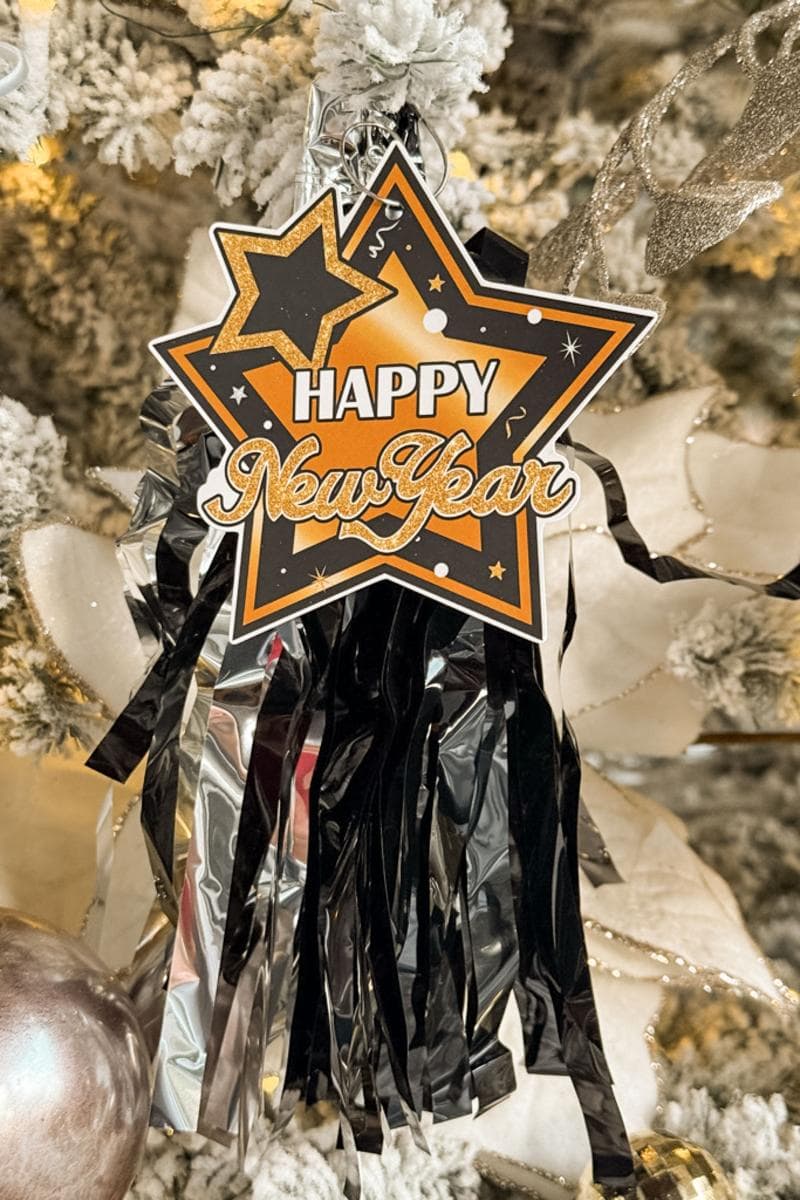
column 157, row 709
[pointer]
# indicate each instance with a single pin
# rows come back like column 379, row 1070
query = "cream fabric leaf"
column 647, row 445
column 48, row 812
column 118, row 482
column 130, row 894
column 540, row 1125
column 626, row 621
column 76, row 588
column 204, row 291
column 671, row 901
column 661, row 717
column 745, row 490
column 624, row 618
column 669, row 898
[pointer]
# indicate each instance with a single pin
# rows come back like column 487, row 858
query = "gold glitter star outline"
column 235, row 246
column 436, row 284
column 497, row 571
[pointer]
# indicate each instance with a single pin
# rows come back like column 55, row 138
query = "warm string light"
column 44, row 151
column 34, row 10
column 460, row 166
column 25, row 182
column 205, row 27
column 23, row 176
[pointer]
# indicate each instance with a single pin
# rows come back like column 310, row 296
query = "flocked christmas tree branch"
column 143, row 100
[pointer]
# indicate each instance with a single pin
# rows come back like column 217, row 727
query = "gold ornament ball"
column 74, row 1070
column 667, row 1168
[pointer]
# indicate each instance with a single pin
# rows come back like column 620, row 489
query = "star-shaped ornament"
column 384, row 432
column 278, row 301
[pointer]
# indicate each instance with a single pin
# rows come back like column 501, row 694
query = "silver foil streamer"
column 327, row 140
column 137, row 547
column 238, row 676
column 251, row 997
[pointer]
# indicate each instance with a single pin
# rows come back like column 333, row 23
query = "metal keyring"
column 356, row 182
column 17, row 71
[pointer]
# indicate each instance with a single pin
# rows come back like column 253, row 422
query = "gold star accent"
column 236, row 245
column 497, row 571
column 436, row 284
column 320, row 578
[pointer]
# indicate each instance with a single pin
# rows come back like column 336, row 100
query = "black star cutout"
column 292, row 289
column 290, row 296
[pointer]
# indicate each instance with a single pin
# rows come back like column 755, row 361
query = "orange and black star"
column 327, row 295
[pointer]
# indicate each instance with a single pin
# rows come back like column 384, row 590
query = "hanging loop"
column 390, row 133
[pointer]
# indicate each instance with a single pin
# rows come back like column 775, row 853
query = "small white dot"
column 435, row 320
column 534, row 316
column 441, row 570
column 268, row 424
column 93, row 604
column 483, row 329
column 213, row 367
column 283, row 570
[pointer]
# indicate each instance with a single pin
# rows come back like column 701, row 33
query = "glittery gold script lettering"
column 417, row 468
